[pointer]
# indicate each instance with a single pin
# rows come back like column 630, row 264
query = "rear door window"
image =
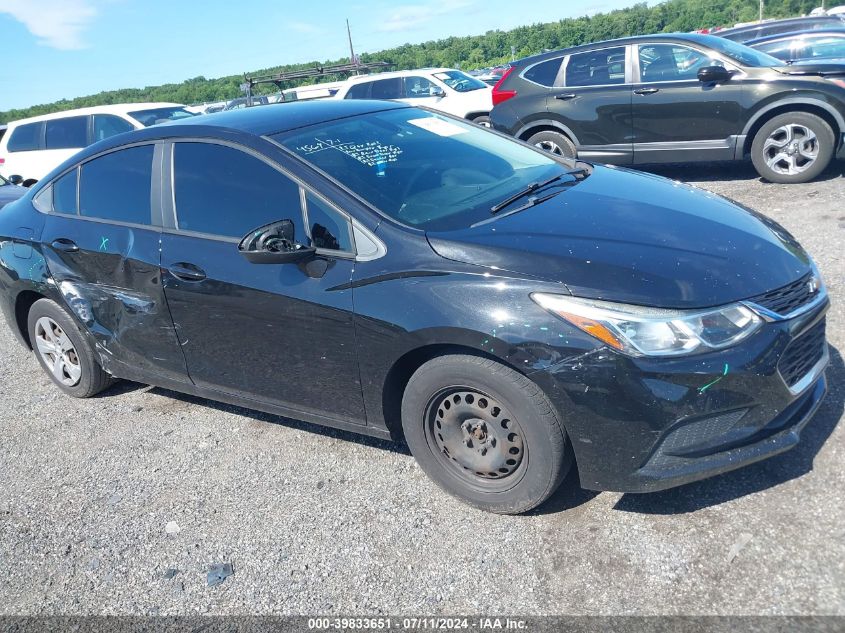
column 116, row 186
column 359, row 91
column 106, row 125
column 387, row 89
column 596, row 68
column 26, row 138
column 67, row 133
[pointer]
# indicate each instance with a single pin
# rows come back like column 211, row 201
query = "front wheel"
column 792, row 148
column 484, row 433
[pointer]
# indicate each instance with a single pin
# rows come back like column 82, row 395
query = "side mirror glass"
column 437, row 91
column 16, row 179
column 714, row 74
column 274, row 243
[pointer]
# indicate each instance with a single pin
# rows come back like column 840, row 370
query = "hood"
column 624, row 236
column 813, row 68
column 9, row 193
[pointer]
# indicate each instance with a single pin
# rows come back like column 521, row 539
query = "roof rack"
column 317, row 71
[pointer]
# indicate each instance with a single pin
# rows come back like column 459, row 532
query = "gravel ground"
column 120, row 504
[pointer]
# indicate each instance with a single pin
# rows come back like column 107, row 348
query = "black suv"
column 676, row 98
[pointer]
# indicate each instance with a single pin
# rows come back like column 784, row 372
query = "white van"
column 444, row 89
column 32, row 147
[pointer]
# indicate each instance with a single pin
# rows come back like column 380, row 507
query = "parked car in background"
column 32, row 147
column 677, row 98
column 324, row 90
column 444, row 89
column 755, row 31
column 245, row 102
column 805, row 47
column 507, row 312
column 10, row 192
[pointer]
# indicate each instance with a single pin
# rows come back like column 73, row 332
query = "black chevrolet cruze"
column 397, row 272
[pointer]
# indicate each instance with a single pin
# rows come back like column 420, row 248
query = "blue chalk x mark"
column 104, row 243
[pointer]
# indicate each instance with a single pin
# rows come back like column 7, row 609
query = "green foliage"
column 494, row 47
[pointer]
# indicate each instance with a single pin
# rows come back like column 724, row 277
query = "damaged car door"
column 101, row 245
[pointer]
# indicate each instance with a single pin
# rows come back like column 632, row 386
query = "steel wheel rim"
column 476, row 438
column 57, row 352
column 791, row 149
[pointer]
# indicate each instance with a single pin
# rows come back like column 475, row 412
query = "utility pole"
column 352, row 59
column 761, row 10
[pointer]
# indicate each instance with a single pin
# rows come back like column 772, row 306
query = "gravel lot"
column 119, row 504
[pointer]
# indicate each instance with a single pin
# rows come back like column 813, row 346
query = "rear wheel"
column 483, row 121
column 792, row 148
column 554, row 143
column 484, row 433
column 62, row 351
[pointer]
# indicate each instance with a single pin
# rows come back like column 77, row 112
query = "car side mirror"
column 16, row 179
column 437, row 92
column 274, row 243
column 714, row 74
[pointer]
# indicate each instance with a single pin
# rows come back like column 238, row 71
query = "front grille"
column 802, row 354
column 788, row 298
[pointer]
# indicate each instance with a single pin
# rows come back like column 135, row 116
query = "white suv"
column 444, row 89
column 32, row 147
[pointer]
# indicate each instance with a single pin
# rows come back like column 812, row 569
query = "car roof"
column 117, row 108
column 397, row 73
column 694, row 38
column 764, row 25
column 793, row 34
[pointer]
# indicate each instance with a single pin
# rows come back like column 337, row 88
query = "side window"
column 596, row 68
column 387, row 88
column 418, row 87
column 116, row 186
column 68, row 133
column 359, row 91
column 223, row 191
column 106, row 125
column 328, row 228
column 544, row 73
column 64, row 193
column 25, row 138
column 667, row 62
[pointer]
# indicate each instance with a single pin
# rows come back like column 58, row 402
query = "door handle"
column 65, row 245
column 566, row 96
column 646, row 91
column 186, row 272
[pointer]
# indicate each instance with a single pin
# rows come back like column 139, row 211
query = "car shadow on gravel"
column 727, row 171
column 756, row 477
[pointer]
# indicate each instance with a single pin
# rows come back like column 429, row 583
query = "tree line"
column 492, row 48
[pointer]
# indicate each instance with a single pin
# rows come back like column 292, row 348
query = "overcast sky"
column 55, row 49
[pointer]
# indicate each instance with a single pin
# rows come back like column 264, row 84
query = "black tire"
column 554, row 143
column 92, row 379
column 482, row 120
column 531, row 436
column 787, row 134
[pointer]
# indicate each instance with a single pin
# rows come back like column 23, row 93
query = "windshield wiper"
column 577, row 174
column 533, row 200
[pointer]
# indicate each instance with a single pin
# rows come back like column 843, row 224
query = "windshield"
column 423, row 169
column 160, row 115
column 742, row 54
column 457, row 80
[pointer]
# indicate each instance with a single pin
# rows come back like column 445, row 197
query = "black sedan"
column 805, row 47
column 677, row 98
column 400, row 273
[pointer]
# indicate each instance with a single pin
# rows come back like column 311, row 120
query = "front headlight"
column 642, row 331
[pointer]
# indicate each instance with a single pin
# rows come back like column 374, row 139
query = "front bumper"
column 641, row 425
